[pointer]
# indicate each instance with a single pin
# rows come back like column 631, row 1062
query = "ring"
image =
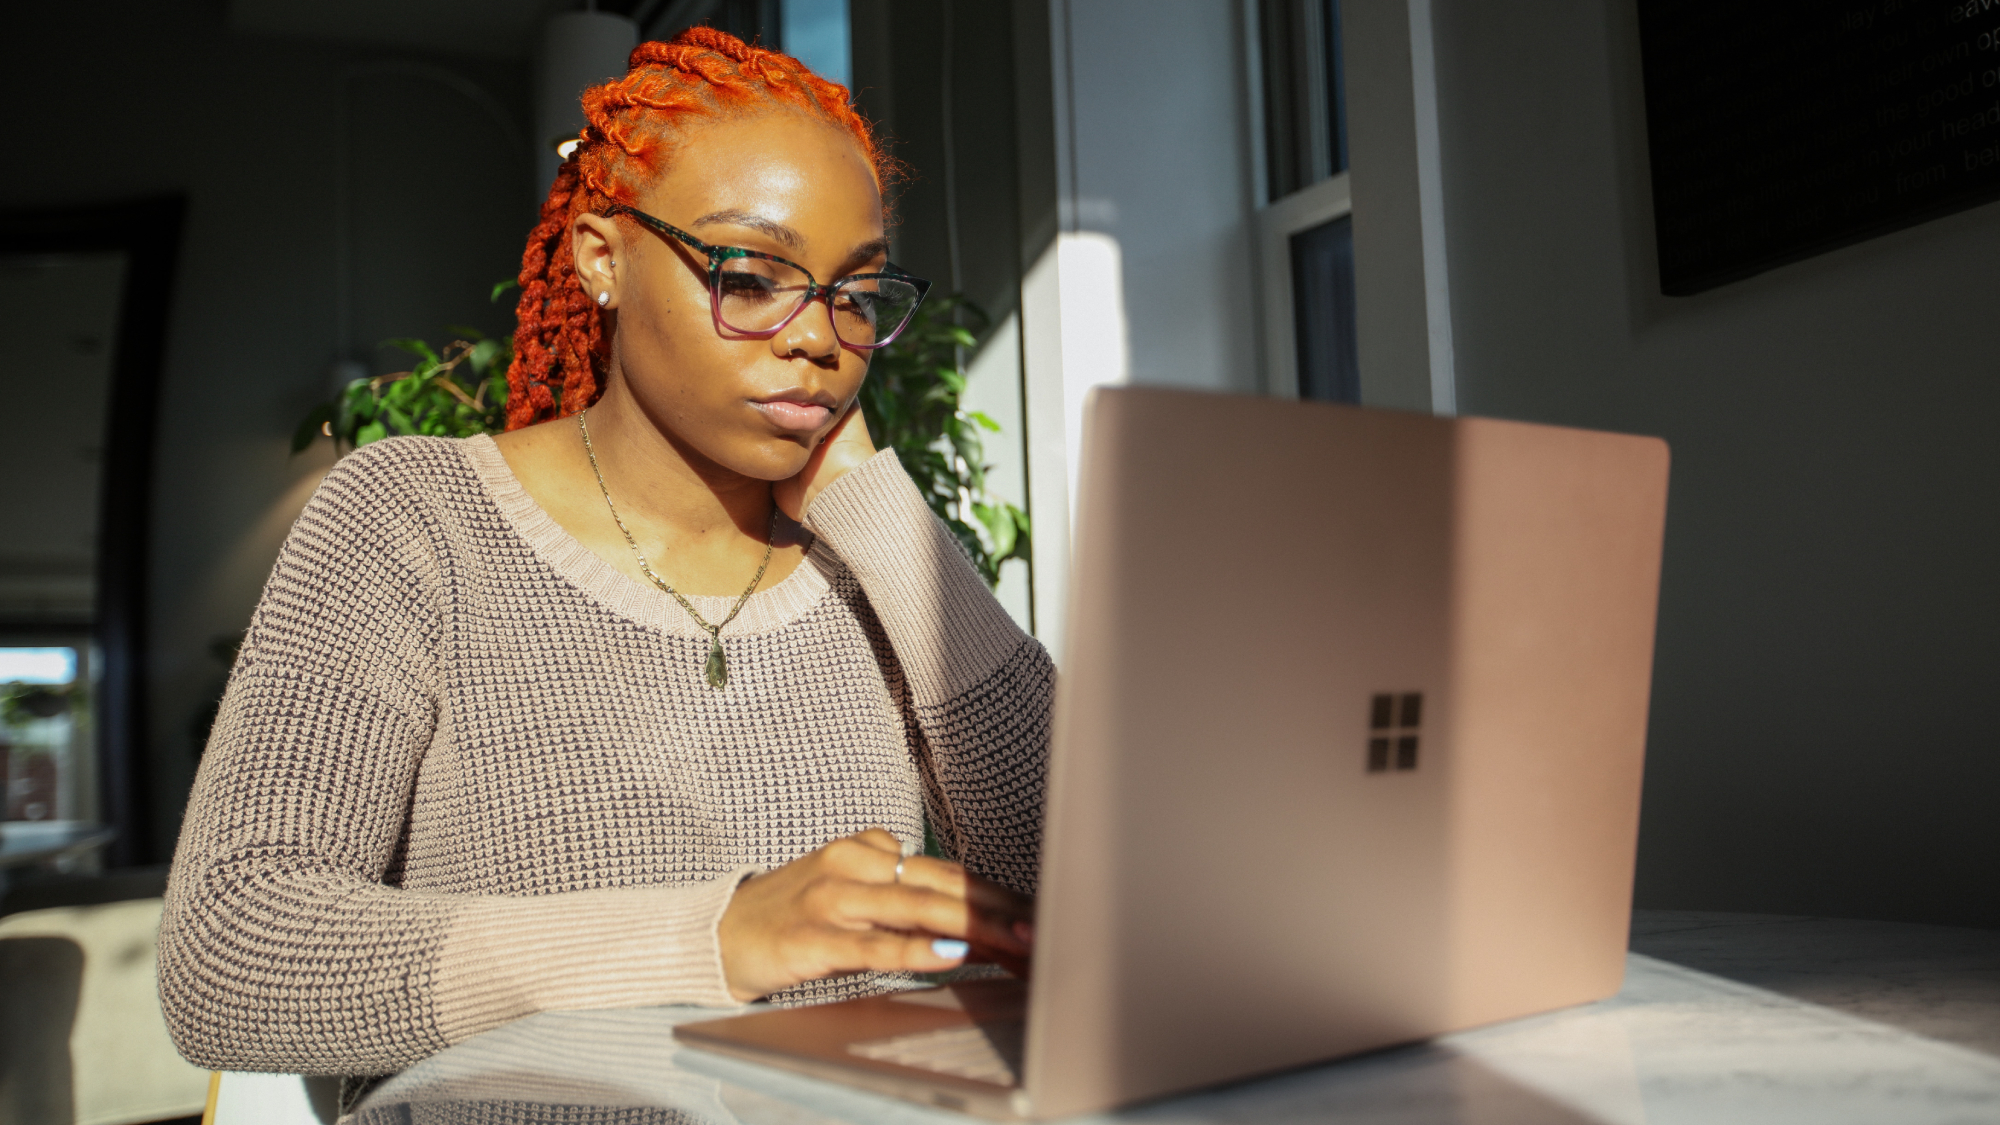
column 899, row 868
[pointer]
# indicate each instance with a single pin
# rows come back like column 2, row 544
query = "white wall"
column 1156, row 152
column 1402, row 296
column 1150, row 279
column 1159, row 163
column 1825, row 702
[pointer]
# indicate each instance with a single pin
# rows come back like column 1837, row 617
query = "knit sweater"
column 466, row 770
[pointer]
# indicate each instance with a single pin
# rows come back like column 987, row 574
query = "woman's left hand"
column 845, row 447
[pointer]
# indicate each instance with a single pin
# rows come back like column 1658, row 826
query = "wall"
column 936, row 77
column 1158, row 161
column 1825, row 710
column 1131, row 117
column 1402, row 292
column 1083, row 168
column 124, row 99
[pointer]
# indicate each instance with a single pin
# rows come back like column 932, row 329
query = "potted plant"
column 911, row 401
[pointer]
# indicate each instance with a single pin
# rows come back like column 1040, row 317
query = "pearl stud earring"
column 604, row 298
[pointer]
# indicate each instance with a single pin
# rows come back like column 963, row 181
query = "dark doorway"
column 124, row 254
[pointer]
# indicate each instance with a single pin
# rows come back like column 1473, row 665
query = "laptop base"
column 873, row 1041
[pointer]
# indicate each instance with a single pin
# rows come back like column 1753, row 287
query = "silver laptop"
column 1348, row 748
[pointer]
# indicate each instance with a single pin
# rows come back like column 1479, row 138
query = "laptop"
column 1347, row 754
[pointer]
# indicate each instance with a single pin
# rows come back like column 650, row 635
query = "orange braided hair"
column 633, row 126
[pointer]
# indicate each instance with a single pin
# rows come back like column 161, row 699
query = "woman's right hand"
column 841, row 910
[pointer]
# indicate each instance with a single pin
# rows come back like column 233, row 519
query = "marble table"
column 1723, row 1019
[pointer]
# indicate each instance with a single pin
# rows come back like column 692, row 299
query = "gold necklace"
column 717, row 668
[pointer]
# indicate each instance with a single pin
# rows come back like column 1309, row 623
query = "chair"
column 82, row 1041
column 240, row 1098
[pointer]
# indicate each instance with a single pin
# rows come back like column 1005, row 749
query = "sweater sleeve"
column 980, row 689
column 281, row 947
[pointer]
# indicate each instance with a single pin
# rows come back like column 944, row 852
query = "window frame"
column 148, row 231
column 1275, row 224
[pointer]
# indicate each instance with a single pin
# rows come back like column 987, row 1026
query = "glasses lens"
column 869, row 311
column 757, row 294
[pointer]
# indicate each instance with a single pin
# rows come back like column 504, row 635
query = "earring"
column 604, row 298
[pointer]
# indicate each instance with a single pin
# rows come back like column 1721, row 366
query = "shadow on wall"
column 42, row 979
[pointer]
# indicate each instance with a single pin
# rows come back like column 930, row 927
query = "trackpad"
column 984, row 1052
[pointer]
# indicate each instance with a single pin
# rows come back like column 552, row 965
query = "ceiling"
column 495, row 28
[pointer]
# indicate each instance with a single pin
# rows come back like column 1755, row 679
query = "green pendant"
column 718, row 667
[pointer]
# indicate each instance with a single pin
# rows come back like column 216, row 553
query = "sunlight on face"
column 783, row 184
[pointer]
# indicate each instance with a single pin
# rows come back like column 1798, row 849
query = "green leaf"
column 500, row 287
column 1000, row 526
column 309, row 426
column 911, row 401
column 413, row 346
column 482, row 355
column 356, row 406
column 419, row 402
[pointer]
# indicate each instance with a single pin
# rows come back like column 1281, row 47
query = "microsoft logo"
column 1392, row 725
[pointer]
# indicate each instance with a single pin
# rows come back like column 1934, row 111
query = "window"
column 61, row 314
column 1323, row 312
column 753, row 21
column 812, row 31
column 44, row 727
column 815, row 33
column 1304, row 232
column 1305, row 104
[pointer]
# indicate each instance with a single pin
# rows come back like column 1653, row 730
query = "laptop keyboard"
column 986, row 1052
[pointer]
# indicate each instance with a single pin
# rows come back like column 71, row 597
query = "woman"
column 637, row 704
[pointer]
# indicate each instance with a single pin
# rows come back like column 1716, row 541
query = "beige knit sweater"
column 466, row 770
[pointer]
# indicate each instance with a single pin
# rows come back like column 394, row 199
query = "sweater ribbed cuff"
column 628, row 947
column 948, row 630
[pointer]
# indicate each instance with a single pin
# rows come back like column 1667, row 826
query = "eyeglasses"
column 755, row 294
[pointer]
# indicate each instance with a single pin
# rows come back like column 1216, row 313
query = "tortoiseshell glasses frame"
column 755, row 294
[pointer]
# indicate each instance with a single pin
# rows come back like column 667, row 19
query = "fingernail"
column 951, row 949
